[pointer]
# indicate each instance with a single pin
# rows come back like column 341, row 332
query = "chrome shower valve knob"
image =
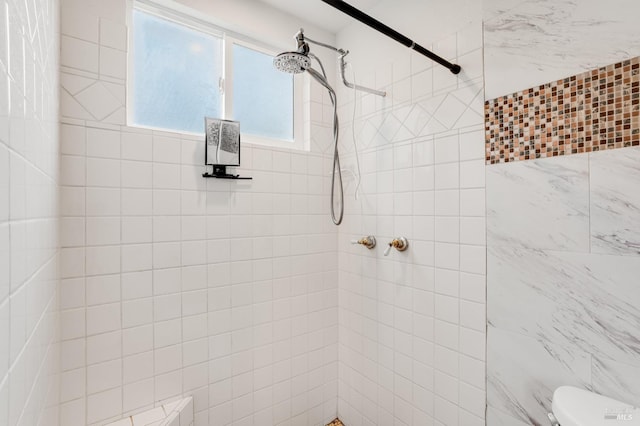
column 369, row 241
column 399, row 244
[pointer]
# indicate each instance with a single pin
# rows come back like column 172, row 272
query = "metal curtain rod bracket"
column 390, row 32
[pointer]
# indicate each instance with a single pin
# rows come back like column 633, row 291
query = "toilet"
column 577, row 407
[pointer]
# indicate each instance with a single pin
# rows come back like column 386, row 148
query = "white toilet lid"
column 577, row 407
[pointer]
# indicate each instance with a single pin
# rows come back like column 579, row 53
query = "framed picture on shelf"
column 222, row 142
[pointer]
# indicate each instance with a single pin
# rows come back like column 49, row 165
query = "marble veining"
column 559, row 312
column 523, row 372
column 542, row 204
column 617, row 380
column 615, row 202
column 498, row 418
column 535, row 41
column 585, row 301
column 563, row 234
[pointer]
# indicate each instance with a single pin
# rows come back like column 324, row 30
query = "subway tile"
column 137, row 395
column 103, row 231
column 79, row 54
column 103, row 260
column 72, row 384
column 103, row 143
column 473, row 259
column 137, row 257
column 104, row 347
column 72, row 232
column 137, row 284
column 73, row 170
column 104, row 376
column 136, row 230
column 103, row 318
column 136, row 202
column 472, row 202
column 72, row 323
column 136, row 340
column 136, row 146
column 447, row 176
column 138, row 367
column 113, row 62
column 103, row 172
column 471, row 145
column 136, row 174
column 473, row 230
column 104, row 405
column 113, row 34
column 76, row 24
column 102, row 201
column 102, row 289
column 73, row 140
column 137, row 312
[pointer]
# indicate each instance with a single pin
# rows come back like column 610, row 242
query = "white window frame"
column 181, row 15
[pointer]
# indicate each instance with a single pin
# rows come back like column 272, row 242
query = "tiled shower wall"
column 592, row 111
column 28, row 212
column 412, row 325
column 562, row 233
column 175, row 285
column 563, row 262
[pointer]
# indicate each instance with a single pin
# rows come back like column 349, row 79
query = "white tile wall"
column 29, row 146
column 412, row 325
column 175, row 285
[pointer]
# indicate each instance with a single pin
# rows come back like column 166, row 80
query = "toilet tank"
column 577, row 407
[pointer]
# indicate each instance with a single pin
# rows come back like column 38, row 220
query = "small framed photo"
column 222, row 142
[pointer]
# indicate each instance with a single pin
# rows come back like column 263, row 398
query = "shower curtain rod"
column 390, row 32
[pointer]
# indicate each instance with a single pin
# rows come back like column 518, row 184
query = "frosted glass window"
column 262, row 95
column 176, row 71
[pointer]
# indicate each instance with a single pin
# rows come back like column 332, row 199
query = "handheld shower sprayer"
column 299, row 61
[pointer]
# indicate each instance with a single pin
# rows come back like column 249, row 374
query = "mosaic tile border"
column 336, row 422
column 592, row 111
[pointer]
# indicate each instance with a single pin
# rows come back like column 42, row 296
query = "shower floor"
column 336, row 422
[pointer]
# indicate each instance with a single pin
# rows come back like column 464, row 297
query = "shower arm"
column 343, row 66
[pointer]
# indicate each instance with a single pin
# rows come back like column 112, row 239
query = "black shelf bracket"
column 220, row 172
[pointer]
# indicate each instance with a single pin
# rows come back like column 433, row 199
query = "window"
column 183, row 70
column 262, row 95
column 176, row 74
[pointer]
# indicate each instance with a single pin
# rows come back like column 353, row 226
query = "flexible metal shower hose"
column 322, row 79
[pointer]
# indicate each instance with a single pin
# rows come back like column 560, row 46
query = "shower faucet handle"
column 369, row 241
column 399, row 244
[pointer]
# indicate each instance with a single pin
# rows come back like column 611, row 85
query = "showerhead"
column 298, row 62
column 292, row 62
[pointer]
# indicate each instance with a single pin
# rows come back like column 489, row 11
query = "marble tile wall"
column 531, row 42
column 562, row 232
column 562, row 268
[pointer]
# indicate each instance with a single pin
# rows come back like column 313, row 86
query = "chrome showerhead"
column 292, row 62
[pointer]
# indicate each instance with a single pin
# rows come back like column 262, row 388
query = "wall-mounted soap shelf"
column 220, row 172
